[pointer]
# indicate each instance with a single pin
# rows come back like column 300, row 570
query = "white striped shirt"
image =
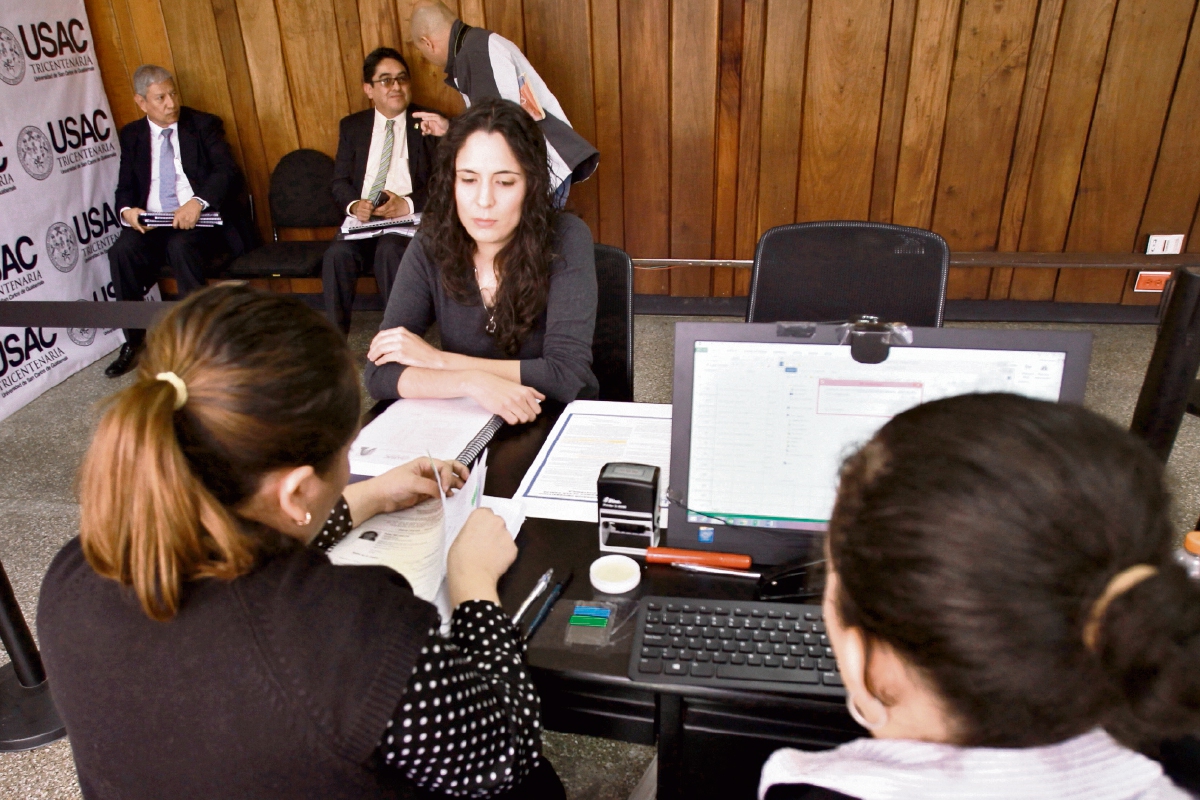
column 1089, row 767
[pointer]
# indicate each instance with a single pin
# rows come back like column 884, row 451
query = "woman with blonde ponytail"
column 199, row 642
column 1007, row 616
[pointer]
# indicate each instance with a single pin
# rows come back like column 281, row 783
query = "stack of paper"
column 403, row 226
column 165, row 219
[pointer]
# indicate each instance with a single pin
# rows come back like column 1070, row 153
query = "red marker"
column 704, row 558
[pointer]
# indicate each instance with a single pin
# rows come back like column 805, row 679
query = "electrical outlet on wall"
column 1165, row 245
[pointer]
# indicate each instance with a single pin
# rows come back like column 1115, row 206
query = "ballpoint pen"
column 538, row 588
column 737, row 573
column 544, row 611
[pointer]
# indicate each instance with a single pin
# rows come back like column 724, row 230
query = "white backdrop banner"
column 59, row 156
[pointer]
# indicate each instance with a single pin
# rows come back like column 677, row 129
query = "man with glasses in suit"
column 384, row 158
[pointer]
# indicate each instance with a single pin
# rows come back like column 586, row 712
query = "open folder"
column 455, row 429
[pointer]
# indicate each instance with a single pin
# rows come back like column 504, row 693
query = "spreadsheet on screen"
column 772, row 422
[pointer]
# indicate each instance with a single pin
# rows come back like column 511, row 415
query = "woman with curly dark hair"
column 510, row 281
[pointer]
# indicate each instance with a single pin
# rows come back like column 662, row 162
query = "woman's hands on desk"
column 512, row 401
column 402, row 346
column 483, row 551
column 474, row 377
column 401, row 487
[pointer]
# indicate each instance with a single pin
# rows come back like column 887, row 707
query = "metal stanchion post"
column 28, row 718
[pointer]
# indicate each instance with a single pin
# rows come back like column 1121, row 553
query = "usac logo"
column 16, row 352
column 75, row 133
column 14, row 258
column 82, row 336
column 94, row 223
column 12, row 60
column 62, row 245
column 7, row 184
column 42, row 40
column 34, row 153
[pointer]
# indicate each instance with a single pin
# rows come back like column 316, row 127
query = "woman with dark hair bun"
column 197, row 648
column 1006, row 612
column 510, row 281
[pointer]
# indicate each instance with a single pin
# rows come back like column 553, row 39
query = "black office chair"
column 612, row 344
column 830, row 271
column 300, row 197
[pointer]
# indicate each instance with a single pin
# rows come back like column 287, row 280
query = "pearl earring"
column 307, row 519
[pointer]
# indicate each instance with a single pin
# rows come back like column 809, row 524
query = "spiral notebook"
column 456, row 429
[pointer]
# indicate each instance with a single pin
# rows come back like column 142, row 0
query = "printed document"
column 561, row 483
column 416, row 541
column 409, row 429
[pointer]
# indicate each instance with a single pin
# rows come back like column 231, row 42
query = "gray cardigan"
column 556, row 357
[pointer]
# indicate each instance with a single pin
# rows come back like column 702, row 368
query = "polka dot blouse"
column 468, row 724
column 335, row 528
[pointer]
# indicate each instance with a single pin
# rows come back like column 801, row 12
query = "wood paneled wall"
column 1035, row 125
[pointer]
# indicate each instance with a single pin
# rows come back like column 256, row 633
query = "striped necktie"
column 385, row 163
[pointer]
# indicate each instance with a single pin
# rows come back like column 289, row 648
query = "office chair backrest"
column 827, row 271
column 301, row 196
column 612, row 344
column 1171, row 375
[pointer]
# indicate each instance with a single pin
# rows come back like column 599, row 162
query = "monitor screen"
column 772, row 421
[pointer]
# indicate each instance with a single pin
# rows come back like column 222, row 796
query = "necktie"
column 166, row 173
column 385, row 163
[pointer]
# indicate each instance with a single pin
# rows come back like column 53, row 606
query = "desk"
column 711, row 742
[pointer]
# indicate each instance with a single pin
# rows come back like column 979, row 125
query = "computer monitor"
column 762, row 420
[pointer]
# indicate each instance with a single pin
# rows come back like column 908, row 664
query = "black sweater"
column 556, row 356
column 301, row 663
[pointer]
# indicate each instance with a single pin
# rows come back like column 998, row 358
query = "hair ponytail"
column 146, row 515
column 1150, row 647
column 269, row 384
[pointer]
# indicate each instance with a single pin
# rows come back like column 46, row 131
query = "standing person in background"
column 173, row 159
column 383, row 161
column 483, row 65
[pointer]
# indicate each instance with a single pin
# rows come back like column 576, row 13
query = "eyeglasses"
column 387, row 81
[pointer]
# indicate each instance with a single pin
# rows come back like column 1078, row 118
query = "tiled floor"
column 41, row 446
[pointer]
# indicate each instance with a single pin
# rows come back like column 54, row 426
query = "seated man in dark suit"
column 383, row 162
column 175, row 159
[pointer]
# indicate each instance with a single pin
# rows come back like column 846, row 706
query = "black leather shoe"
column 125, row 360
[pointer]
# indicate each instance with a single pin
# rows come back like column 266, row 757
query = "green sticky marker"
column 588, row 622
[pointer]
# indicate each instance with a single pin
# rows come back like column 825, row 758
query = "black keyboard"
column 743, row 644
